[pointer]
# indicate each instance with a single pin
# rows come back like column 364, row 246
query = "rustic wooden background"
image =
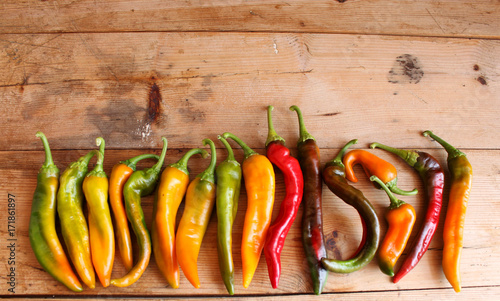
column 133, row 71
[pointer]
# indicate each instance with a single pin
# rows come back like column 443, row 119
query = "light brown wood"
column 134, row 71
column 342, row 231
column 466, row 18
column 74, row 86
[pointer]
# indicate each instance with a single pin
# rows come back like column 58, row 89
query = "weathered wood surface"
column 446, row 18
column 342, row 229
column 134, row 71
column 75, row 86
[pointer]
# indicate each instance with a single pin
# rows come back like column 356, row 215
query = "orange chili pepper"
column 401, row 218
column 200, row 200
column 258, row 173
column 102, row 239
column 373, row 165
column 453, row 232
column 120, row 173
column 173, row 184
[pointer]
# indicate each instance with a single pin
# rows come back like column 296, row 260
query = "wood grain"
column 464, row 18
column 75, row 86
column 342, row 230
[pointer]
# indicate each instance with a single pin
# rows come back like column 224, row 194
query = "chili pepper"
column 453, row 232
column 73, row 223
column 171, row 190
column 199, row 203
column 119, row 175
column 279, row 155
column 373, row 165
column 102, row 240
column 141, row 183
column 401, row 218
column 42, row 229
column 312, row 218
column 432, row 175
column 334, row 177
column 258, row 173
column 228, row 192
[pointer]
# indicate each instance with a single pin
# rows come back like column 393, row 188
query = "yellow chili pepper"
column 102, row 239
column 173, row 184
column 200, row 200
column 258, row 173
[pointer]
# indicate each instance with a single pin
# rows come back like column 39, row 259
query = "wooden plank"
column 76, row 86
column 465, row 18
column 479, row 260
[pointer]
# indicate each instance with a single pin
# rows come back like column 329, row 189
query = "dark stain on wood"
column 331, row 245
column 482, row 81
column 406, row 70
column 341, row 1
column 331, row 114
column 476, row 67
column 154, row 103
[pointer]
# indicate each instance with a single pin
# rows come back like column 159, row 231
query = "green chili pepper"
column 42, row 230
column 334, row 177
column 141, row 183
column 228, row 192
column 73, row 223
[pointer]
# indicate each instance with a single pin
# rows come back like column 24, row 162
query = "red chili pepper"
column 432, row 175
column 279, row 155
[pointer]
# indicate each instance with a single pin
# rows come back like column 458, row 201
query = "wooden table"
column 133, row 71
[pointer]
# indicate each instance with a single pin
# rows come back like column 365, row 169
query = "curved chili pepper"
column 141, row 183
column 258, row 173
column 228, row 192
column 119, row 175
column 334, row 177
column 73, row 223
column 42, row 229
column 312, row 218
column 373, row 165
column 432, row 175
column 171, row 190
column 401, row 218
column 102, row 239
column 453, row 232
column 199, row 203
column 279, row 155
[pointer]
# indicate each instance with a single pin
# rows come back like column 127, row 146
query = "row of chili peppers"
column 91, row 246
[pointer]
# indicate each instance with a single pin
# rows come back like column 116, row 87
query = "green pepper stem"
column 132, row 162
column 452, row 151
column 230, row 154
column 182, row 163
column 208, row 174
column 304, row 134
column 159, row 164
column 395, row 202
column 86, row 159
column 99, row 141
column 409, row 156
column 48, row 155
column 338, row 158
column 248, row 151
column 272, row 135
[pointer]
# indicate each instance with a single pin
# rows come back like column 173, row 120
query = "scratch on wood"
column 435, row 20
column 330, row 114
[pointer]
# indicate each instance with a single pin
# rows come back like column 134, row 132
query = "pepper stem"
column 230, row 154
column 452, row 151
column 272, row 135
column 304, row 134
column 248, row 151
column 395, row 202
column 159, row 164
column 208, row 174
column 182, row 163
column 338, row 158
column 48, row 155
column 99, row 141
column 409, row 156
column 132, row 162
